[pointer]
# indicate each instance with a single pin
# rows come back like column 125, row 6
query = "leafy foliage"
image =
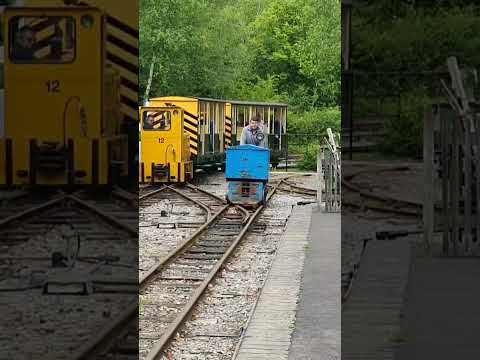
column 419, row 41
column 315, row 121
column 258, row 50
column 309, row 161
column 405, row 133
column 402, row 40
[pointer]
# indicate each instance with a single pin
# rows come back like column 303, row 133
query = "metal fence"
column 302, row 148
column 329, row 171
column 382, row 98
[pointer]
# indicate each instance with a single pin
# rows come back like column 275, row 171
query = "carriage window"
column 42, row 39
column 157, row 120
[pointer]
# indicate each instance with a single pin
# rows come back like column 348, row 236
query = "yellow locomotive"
column 204, row 122
column 76, row 66
column 165, row 154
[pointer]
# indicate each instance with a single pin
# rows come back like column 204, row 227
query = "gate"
column 452, row 167
column 329, row 165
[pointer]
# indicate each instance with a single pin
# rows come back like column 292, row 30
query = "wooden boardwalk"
column 371, row 316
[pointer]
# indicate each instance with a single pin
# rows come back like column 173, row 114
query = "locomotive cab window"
column 42, row 39
column 157, row 120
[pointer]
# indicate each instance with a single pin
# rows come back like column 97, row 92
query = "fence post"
column 428, row 207
column 320, row 178
column 330, row 163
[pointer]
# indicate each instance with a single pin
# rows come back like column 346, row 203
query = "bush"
column 404, row 135
column 309, row 161
column 398, row 39
column 261, row 90
column 315, row 121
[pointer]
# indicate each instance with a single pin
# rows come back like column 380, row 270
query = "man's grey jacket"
column 248, row 137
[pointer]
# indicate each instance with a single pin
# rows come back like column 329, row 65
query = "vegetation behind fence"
column 398, row 54
column 306, row 132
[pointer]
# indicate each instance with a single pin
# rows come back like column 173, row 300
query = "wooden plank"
column 459, row 147
column 445, row 141
column 459, row 90
column 428, row 205
column 455, row 186
column 467, row 205
column 476, row 185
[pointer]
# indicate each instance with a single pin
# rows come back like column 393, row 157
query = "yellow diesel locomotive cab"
column 204, row 121
column 164, row 153
column 70, row 131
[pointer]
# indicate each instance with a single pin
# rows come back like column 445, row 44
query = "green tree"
column 257, row 50
column 168, row 33
column 319, row 53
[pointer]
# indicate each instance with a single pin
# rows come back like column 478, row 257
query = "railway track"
column 121, row 335
column 348, row 278
column 219, row 319
column 179, row 281
column 291, row 187
column 172, row 286
column 75, row 247
column 383, row 203
column 378, row 202
column 169, row 213
column 14, row 202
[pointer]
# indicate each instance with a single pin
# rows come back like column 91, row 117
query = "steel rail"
column 33, row 210
column 161, row 345
column 63, row 197
column 211, row 218
column 245, row 213
column 206, row 192
column 108, row 335
column 199, row 203
column 125, row 195
column 346, row 181
column 179, row 249
column 19, row 195
column 417, row 211
column 301, row 189
column 141, row 197
column 385, row 198
column 109, row 218
column 119, row 327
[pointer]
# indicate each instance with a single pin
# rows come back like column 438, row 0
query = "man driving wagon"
column 254, row 134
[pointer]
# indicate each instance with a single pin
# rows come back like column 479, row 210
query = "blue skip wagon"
column 246, row 171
